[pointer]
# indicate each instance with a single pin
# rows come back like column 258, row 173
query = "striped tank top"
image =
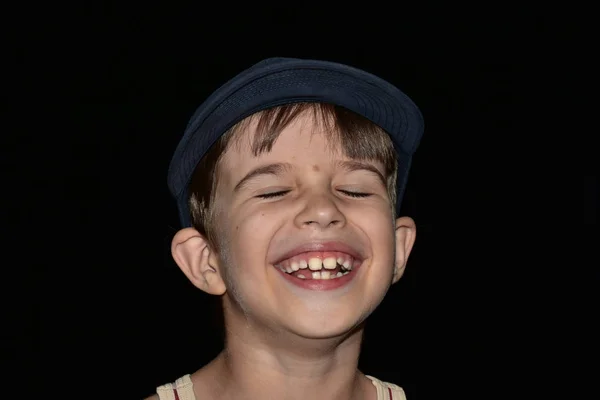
column 182, row 389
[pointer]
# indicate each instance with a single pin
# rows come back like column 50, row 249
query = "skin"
column 284, row 342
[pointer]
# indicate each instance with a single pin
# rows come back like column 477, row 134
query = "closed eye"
column 355, row 194
column 273, row 194
column 284, row 192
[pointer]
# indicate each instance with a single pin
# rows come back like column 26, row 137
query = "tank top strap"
column 182, row 389
column 386, row 390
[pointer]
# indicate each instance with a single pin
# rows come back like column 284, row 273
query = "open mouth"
column 316, row 265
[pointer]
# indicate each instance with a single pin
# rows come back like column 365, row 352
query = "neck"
column 258, row 366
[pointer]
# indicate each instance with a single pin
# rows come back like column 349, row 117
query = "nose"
column 320, row 211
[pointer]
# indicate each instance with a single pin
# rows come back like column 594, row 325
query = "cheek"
column 382, row 237
column 379, row 228
column 377, row 218
column 251, row 235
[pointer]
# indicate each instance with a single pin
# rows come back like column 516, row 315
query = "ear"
column 197, row 260
column 406, row 232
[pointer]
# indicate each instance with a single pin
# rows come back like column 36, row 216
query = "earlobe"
column 193, row 255
column 406, row 232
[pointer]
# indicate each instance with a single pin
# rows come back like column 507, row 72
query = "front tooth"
column 325, row 274
column 315, row 264
column 340, row 260
column 347, row 265
column 295, row 266
column 329, row 263
column 303, row 264
column 316, row 275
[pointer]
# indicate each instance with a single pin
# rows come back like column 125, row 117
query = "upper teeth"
column 316, row 264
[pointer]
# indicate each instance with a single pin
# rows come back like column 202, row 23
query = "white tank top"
column 182, row 389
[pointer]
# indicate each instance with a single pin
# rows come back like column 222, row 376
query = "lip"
column 322, row 246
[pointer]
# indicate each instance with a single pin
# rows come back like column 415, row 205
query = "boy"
column 288, row 179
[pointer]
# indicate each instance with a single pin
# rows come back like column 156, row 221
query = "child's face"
column 303, row 201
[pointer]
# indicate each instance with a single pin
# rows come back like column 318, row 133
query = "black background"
column 104, row 93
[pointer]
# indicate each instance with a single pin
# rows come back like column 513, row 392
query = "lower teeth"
column 325, row 275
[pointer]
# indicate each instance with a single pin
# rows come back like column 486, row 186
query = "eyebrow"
column 270, row 169
column 354, row 165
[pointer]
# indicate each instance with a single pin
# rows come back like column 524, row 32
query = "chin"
column 326, row 327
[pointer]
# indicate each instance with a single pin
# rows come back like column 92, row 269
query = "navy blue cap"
column 277, row 81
